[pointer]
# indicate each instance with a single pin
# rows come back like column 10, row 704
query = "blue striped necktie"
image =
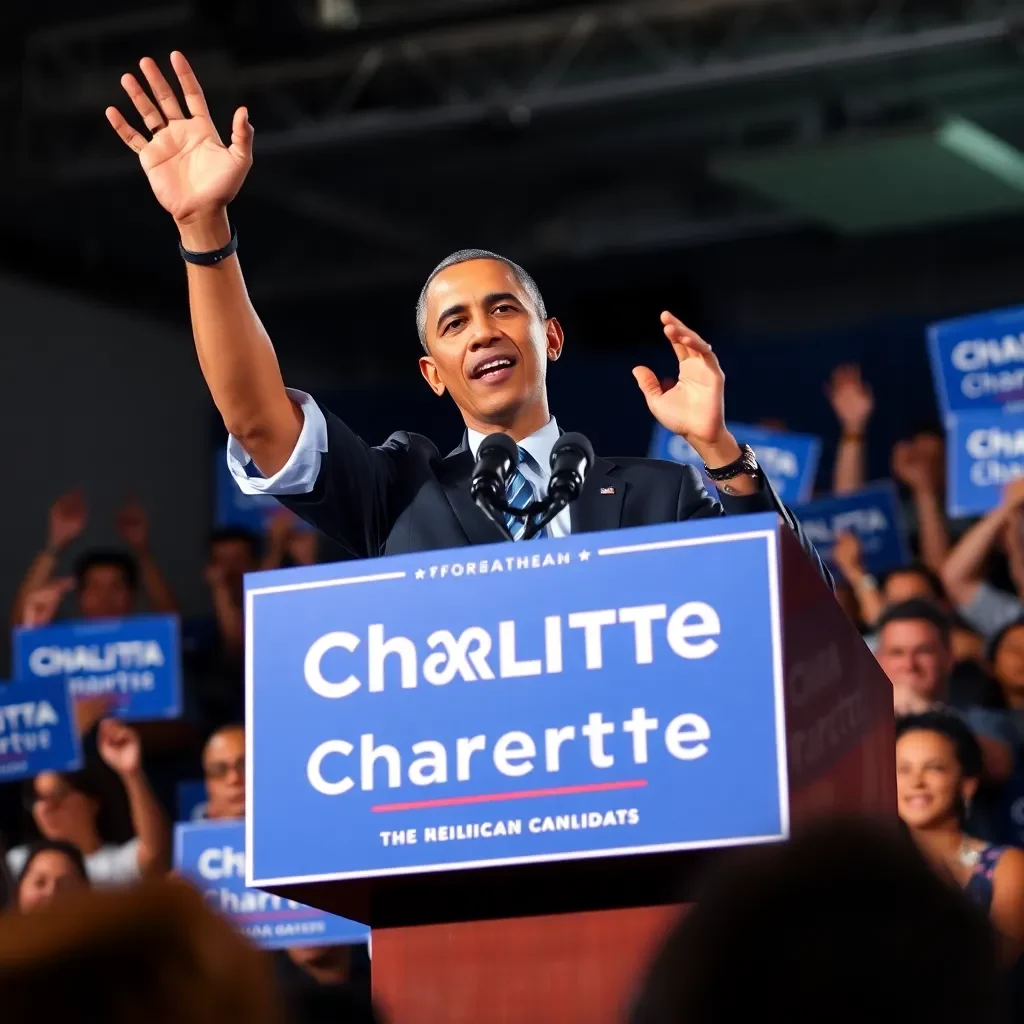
column 518, row 493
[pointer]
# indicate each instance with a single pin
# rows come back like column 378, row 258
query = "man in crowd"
column 224, row 772
column 106, row 582
column 914, row 652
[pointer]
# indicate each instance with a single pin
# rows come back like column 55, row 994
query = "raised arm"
column 918, row 465
column 964, row 568
column 68, row 517
column 194, row 176
column 133, row 527
column 853, row 403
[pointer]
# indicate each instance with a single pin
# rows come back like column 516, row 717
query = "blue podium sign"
column 978, row 361
column 789, row 460
column 135, row 661
column 559, row 699
column 212, row 855
column 37, row 730
column 984, row 452
column 873, row 514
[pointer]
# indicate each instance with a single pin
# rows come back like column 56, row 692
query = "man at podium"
column 487, row 341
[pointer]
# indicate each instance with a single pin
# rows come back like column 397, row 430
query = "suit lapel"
column 599, row 506
column 454, row 475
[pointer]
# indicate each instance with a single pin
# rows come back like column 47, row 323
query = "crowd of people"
column 947, row 629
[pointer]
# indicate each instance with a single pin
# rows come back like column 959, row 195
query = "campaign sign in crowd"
column 136, row 662
column 37, row 729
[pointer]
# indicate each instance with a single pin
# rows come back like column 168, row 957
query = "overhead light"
column 337, row 14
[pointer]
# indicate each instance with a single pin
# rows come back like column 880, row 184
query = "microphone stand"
column 537, row 514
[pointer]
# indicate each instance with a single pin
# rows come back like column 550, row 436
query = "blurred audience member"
column 1006, row 656
column 914, row 652
column 919, row 464
column 320, row 988
column 983, row 606
column 52, row 868
column 107, row 582
column 853, row 403
column 233, row 552
column 290, row 542
column 916, row 581
column 938, row 772
column 846, row 923
column 67, row 807
column 224, row 772
column 154, row 954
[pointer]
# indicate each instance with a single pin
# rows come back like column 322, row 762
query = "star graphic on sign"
column 421, row 574
column 584, row 556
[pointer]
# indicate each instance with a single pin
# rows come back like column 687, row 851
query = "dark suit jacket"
column 404, row 496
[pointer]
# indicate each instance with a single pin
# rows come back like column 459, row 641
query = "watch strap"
column 745, row 464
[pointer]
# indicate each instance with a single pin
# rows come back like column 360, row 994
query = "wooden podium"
column 569, row 941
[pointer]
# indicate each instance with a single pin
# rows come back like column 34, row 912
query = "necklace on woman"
column 968, row 856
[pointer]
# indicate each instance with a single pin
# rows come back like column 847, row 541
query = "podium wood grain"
column 531, row 970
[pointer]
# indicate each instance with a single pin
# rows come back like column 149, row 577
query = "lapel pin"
column 607, row 490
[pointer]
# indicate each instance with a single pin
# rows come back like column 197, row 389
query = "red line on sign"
column 487, row 798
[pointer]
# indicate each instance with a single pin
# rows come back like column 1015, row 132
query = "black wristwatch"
column 746, row 464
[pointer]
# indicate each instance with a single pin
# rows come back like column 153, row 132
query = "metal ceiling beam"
column 545, row 66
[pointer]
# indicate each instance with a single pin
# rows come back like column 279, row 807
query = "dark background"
column 580, row 139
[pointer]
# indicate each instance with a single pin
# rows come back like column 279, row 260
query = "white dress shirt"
column 298, row 475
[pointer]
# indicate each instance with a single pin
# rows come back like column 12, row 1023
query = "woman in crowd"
column 1006, row 656
column 52, row 868
column 67, row 807
column 938, row 769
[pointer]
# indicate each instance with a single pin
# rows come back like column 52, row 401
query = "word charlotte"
column 476, row 655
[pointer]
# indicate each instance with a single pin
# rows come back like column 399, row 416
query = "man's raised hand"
column 192, row 173
column 694, row 405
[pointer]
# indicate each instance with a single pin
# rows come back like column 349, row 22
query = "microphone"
column 496, row 461
column 571, row 459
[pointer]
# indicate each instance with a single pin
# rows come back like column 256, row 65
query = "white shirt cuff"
column 298, row 475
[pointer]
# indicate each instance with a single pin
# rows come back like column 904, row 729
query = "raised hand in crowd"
column 918, row 465
column 985, row 608
column 848, row 556
column 120, row 747
column 853, row 403
column 132, row 525
column 39, row 607
column 68, row 517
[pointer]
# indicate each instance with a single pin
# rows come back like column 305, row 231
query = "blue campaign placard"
column 587, row 696
column 789, row 460
column 984, row 452
column 212, row 855
column 978, row 361
column 134, row 661
column 873, row 514
column 37, row 729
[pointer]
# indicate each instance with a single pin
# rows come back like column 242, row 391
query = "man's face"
column 233, row 557
column 912, row 654
column 103, row 593
column 224, row 770
column 488, row 346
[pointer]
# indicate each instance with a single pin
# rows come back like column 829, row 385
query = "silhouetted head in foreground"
column 846, row 923
column 152, row 954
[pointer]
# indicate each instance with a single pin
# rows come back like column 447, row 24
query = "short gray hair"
column 526, row 282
